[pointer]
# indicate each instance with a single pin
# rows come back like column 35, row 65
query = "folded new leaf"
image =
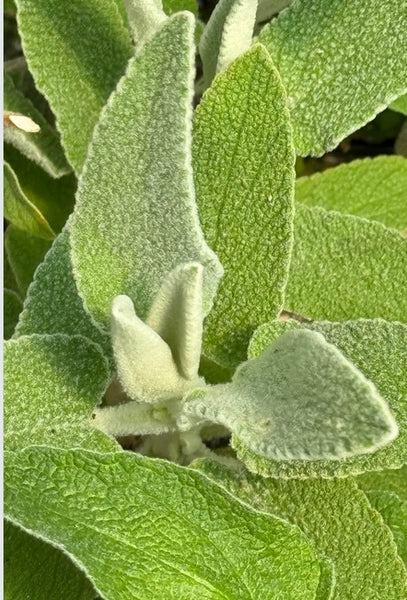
column 300, row 399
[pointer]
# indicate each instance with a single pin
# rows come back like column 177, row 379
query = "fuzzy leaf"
column 51, row 385
column 53, row 305
column 145, row 17
column 299, row 400
column 372, row 188
column 227, row 35
column 378, row 349
column 129, row 231
column 44, row 147
column 11, row 309
column 339, row 521
column 270, row 8
column 244, row 176
column 20, row 211
column 344, row 267
column 90, row 41
column 36, row 570
column 156, row 526
column 341, row 63
column 24, row 252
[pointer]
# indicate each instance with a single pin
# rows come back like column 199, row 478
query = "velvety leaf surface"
column 24, row 252
column 344, row 267
column 129, row 230
column 145, row 18
column 19, row 210
column 35, row 570
column 300, row 399
column 227, row 35
column 337, row 518
column 51, row 385
column 244, row 177
column 91, row 42
column 341, row 63
column 372, row 188
column 153, row 526
column 11, row 309
column 378, row 349
column 53, row 304
column 43, row 147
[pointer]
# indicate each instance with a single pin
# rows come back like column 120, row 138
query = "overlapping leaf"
column 341, row 63
column 24, row 252
column 92, row 44
column 129, row 230
column 145, row 19
column 244, row 176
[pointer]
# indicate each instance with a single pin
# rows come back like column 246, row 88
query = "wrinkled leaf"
column 244, row 176
column 341, row 63
column 11, row 310
column 378, row 349
column 339, row 521
column 181, row 533
column 372, row 188
column 91, row 43
column 36, row 570
column 129, row 230
column 24, row 252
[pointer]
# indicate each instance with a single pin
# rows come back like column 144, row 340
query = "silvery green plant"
column 200, row 295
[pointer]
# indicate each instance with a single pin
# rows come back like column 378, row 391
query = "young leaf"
column 244, row 177
column 155, row 526
column 345, row 267
column 91, row 42
column 20, row 211
column 378, row 349
column 339, row 521
column 24, row 252
column 341, row 63
column 51, row 385
column 53, row 305
column 299, row 400
column 145, row 18
column 370, row 188
column 43, row 147
column 28, row 565
column 11, row 310
column 227, row 35
column 129, row 230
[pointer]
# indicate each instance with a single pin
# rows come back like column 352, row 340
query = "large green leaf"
column 371, row 188
column 24, row 252
column 244, row 176
column 76, row 52
column 43, row 147
column 51, row 385
column 153, row 526
column 228, row 34
column 11, row 309
column 341, row 61
column 135, row 217
column 300, row 399
column 378, row 349
column 345, row 267
column 53, row 304
column 338, row 519
column 35, row 570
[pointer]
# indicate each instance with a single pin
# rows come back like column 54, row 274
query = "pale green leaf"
column 153, row 526
column 378, row 349
column 24, row 252
column 129, row 229
column 11, row 309
column 339, row 521
column 51, row 385
column 20, row 211
column 400, row 105
column 43, row 147
column 244, row 176
column 372, row 188
column 35, row 570
column 76, row 52
column 145, row 17
column 53, row 304
column 345, row 267
column 301, row 399
column 227, row 35
column 342, row 62
column 270, row 8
